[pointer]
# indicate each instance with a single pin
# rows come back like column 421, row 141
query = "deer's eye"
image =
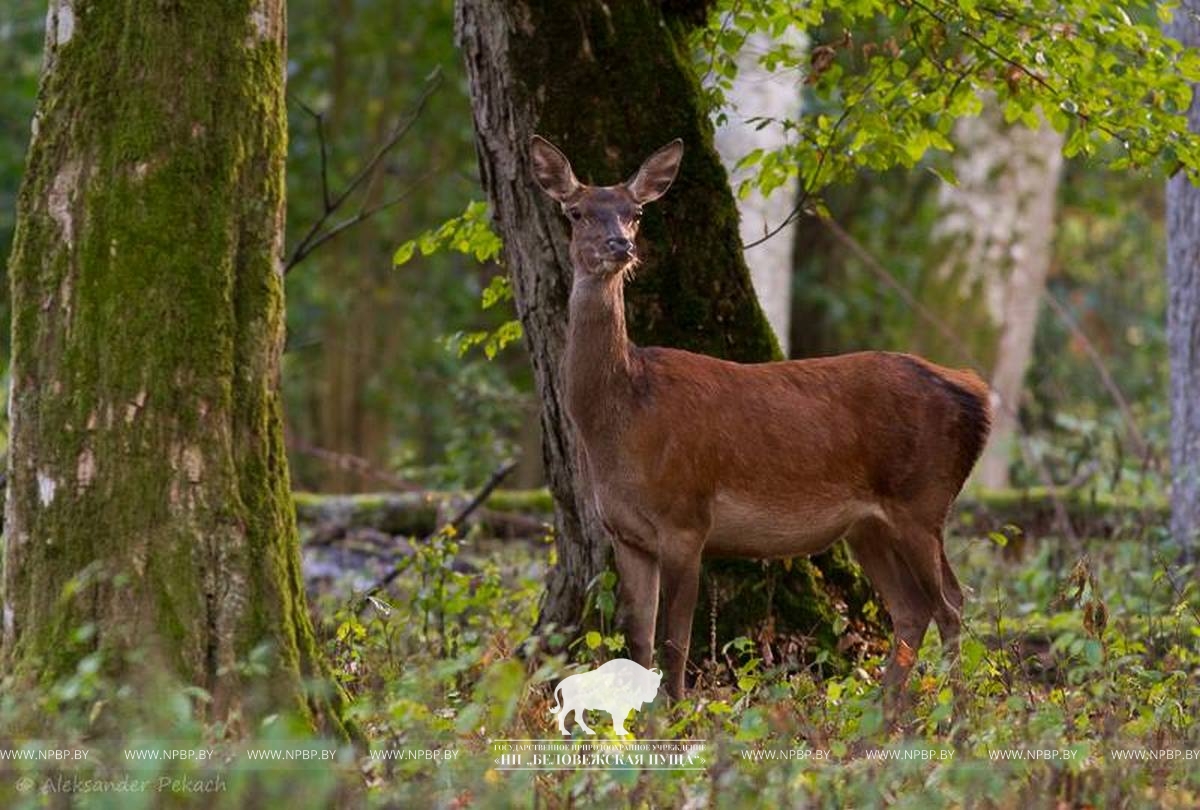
column 574, row 214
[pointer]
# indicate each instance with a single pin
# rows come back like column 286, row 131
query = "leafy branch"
column 470, row 234
column 885, row 82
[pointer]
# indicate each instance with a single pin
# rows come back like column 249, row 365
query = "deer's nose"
column 619, row 245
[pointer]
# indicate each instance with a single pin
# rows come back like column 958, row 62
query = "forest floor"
column 1080, row 668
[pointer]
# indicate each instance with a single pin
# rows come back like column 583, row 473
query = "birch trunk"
column 759, row 93
column 997, row 230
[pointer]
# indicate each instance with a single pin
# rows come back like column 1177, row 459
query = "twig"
column 454, row 525
column 811, row 184
column 806, row 192
column 316, row 236
column 1180, row 596
column 319, row 118
column 1041, row 81
column 304, row 249
column 726, row 22
column 1008, row 60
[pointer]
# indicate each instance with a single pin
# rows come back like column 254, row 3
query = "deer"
column 687, row 456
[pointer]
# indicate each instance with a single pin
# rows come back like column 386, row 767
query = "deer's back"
column 808, row 444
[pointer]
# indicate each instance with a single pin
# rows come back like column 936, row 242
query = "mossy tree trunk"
column 609, row 83
column 148, row 495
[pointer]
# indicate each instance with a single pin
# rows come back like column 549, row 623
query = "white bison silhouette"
column 617, row 687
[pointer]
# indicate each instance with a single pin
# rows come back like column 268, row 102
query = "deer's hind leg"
column 920, row 545
column 922, row 549
column 876, row 546
column 951, row 626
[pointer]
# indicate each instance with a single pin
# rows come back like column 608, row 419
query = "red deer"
column 688, row 456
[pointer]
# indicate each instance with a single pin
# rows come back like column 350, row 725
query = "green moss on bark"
column 801, row 601
column 148, row 316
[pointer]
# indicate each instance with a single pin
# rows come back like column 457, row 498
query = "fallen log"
column 516, row 513
column 325, row 519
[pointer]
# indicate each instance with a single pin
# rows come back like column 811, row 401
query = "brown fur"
column 690, row 456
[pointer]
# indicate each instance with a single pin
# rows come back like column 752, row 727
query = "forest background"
column 1026, row 239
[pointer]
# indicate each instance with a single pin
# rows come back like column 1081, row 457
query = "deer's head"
column 604, row 219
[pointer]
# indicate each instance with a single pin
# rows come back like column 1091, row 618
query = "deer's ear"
column 552, row 170
column 657, row 173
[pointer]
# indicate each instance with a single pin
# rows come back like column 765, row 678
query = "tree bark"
column 997, row 231
column 1183, row 318
column 609, row 83
column 148, row 494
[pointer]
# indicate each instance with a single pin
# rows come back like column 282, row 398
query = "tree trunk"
column 760, row 93
column 997, row 230
column 1183, row 318
column 148, row 495
column 608, row 83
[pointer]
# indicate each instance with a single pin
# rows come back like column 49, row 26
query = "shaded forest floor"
column 1080, row 666
column 1080, row 662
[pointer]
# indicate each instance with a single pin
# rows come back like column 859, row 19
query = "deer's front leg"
column 639, row 572
column 681, row 584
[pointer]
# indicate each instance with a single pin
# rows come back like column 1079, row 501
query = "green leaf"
column 498, row 289
column 945, row 174
column 720, row 707
column 404, row 253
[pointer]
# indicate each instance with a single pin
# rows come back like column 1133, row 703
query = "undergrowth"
column 1079, row 686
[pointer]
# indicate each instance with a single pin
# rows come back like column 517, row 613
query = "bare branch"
column 1135, row 434
column 882, row 273
column 319, row 119
column 353, row 463
column 316, row 235
column 305, row 248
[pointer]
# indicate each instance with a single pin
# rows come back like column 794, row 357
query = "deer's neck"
column 599, row 356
